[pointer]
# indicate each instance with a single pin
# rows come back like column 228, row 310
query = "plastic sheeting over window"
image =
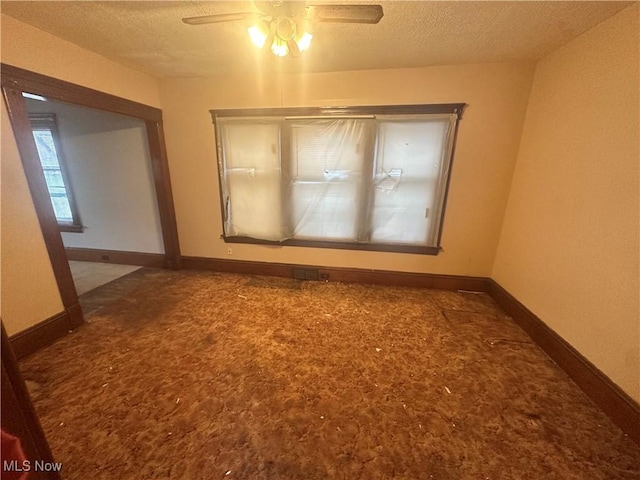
column 410, row 177
column 253, row 179
column 327, row 170
column 374, row 180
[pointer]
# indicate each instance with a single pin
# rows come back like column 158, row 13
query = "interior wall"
column 28, row 288
column 29, row 293
column 569, row 248
column 27, row 47
column 109, row 169
column 496, row 95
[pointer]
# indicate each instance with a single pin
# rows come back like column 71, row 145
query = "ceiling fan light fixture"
column 258, row 35
column 285, row 28
column 279, row 47
column 282, row 24
column 282, row 36
column 304, row 42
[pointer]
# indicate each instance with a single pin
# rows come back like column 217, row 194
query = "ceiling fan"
column 283, row 26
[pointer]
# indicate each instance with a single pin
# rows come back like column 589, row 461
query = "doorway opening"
column 59, row 199
column 99, row 177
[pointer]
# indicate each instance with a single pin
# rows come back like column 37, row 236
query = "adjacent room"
column 100, row 182
column 365, row 240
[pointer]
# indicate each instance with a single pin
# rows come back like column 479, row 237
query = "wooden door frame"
column 19, row 418
column 14, row 82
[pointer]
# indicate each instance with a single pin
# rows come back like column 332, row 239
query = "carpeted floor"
column 196, row 375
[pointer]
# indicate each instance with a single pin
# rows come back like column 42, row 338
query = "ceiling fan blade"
column 269, row 40
column 266, row 7
column 222, row 17
column 345, row 13
column 293, row 48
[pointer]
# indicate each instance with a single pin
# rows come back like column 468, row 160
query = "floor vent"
column 305, row 273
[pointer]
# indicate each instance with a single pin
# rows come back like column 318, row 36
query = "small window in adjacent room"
column 45, row 134
column 365, row 178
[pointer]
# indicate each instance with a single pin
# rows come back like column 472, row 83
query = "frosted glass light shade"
column 304, row 42
column 258, row 37
column 279, row 47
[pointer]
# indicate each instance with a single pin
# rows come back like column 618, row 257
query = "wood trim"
column 367, row 189
column 27, row 81
column 65, row 227
column 371, row 247
column 339, row 274
column 44, row 333
column 40, row 194
column 619, row 406
column 404, row 279
column 445, row 197
column 18, row 415
column 153, row 260
column 164, row 194
column 342, row 111
column 76, row 318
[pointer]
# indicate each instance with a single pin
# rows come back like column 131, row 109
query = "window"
column 45, row 134
column 371, row 178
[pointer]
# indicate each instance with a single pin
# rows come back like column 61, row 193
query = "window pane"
column 327, row 149
column 46, row 148
column 325, row 210
column 408, row 181
column 53, row 178
column 53, row 174
column 252, row 179
column 62, row 208
column 327, row 163
column 57, row 191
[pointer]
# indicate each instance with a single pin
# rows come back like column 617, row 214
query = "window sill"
column 64, row 227
column 373, row 247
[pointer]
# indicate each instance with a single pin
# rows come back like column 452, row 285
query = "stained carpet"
column 197, row 375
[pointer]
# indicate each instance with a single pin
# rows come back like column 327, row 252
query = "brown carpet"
column 197, row 375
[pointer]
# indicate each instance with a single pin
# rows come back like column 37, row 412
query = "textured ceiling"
column 151, row 37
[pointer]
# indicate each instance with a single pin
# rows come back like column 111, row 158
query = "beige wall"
column 569, row 246
column 110, row 174
column 27, row 47
column 487, row 144
column 28, row 290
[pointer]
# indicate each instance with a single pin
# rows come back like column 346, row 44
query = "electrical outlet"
column 229, row 251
